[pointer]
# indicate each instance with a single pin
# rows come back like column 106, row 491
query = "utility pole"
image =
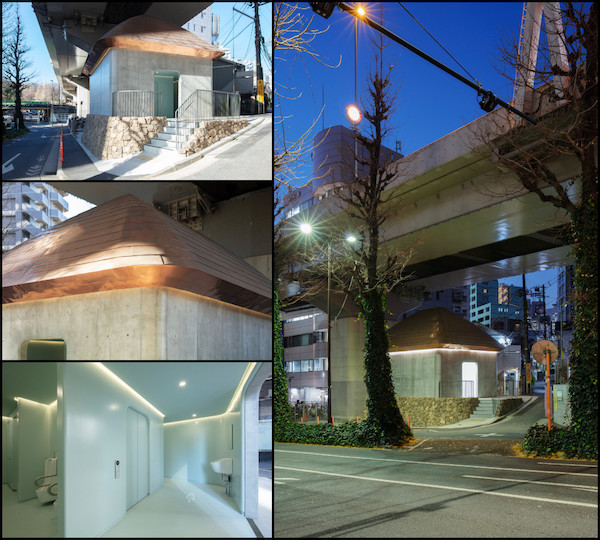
column 259, row 72
column 525, row 346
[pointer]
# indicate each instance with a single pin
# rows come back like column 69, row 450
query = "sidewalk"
column 80, row 164
column 528, row 401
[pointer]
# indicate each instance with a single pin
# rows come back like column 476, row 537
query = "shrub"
column 364, row 434
column 539, row 441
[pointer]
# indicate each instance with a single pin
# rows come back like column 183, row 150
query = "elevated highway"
column 467, row 221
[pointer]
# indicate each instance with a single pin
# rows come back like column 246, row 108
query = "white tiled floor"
column 180, row 509
column 27, row 519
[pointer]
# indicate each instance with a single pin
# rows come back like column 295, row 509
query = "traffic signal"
column 325, row 9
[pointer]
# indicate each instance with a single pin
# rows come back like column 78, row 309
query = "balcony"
column 56, row 198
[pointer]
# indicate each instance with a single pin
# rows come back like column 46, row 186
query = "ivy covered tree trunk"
column 583, row 384
column 381, row 398
column 282, row 410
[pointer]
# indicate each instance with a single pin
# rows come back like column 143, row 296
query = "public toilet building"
column 124, row 281
column 147, row 67
column 436, row 353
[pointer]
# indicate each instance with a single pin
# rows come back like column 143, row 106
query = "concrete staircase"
column 485, row 409
column 166, row 141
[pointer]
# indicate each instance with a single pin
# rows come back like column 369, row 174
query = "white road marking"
column 567, row 464
column 437, row 464
column 7, row 167
column 418, row 444
column 593, row 488
column 488, row 434
column 449, row 488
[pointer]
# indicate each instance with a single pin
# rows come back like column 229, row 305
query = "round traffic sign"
column 539, row 350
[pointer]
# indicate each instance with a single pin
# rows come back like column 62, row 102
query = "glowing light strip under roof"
column 443, row 349
column 125, row 385
column 236, row 395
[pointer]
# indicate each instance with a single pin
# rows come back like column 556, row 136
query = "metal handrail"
column 206, row 105
column 50, row 489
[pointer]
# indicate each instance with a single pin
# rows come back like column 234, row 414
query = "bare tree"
column 365, row 271
column 561, row 91
column 16, row 68
column 294, row 33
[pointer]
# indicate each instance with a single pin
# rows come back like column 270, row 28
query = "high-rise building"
column 496, row 305
column 28, row 208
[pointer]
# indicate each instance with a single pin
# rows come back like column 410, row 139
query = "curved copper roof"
column 127, row 243
column 146, row 33
column 439, row 328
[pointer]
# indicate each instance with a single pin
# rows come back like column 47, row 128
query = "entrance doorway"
column 43, row 349
column 166, row 93
column 137, row 457
column 469, row 379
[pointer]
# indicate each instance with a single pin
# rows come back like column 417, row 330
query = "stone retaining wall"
column 507, row 405
column 110, row 137
column 431, row 412
column 210, row 132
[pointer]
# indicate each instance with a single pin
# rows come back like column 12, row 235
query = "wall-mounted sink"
column 222, row 466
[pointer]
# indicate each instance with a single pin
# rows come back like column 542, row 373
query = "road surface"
column 332, row 492
column 23, row 158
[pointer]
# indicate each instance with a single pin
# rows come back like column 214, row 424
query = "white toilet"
column 47, row 488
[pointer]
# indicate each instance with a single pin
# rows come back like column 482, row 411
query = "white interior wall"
column 92, row 408
column 33, row 445
column 191, row 445
column 6, row 448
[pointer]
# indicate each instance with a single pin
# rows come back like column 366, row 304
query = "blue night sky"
column 430, row 103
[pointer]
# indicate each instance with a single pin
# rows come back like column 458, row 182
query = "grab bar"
column 35, row 482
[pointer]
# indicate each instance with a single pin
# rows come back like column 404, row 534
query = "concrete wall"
column 348, row 390
column 416, row 374
column 419, row 373
column 220, row 331
column 150, row 323
column 124, row 69
column 111, row 137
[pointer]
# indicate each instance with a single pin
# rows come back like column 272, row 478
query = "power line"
column 431, row 36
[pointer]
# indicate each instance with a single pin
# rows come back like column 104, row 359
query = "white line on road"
column 530, row 481
column 434, row 463
column 418, row 444
column 7, row 167
column 449, row 488
column 568, row 464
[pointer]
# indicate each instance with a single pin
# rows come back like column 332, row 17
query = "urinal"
column 47, row 486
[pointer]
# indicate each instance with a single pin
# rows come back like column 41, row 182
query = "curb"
column 198, row 155
column 49, row 169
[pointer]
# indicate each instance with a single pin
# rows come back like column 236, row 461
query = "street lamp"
column 306, row 228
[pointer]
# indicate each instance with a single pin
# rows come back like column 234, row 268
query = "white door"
column 137, row 457
column 469, row 379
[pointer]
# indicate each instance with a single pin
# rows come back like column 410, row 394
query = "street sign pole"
column 548, row 397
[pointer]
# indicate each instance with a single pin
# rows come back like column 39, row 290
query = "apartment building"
column 28, row 208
